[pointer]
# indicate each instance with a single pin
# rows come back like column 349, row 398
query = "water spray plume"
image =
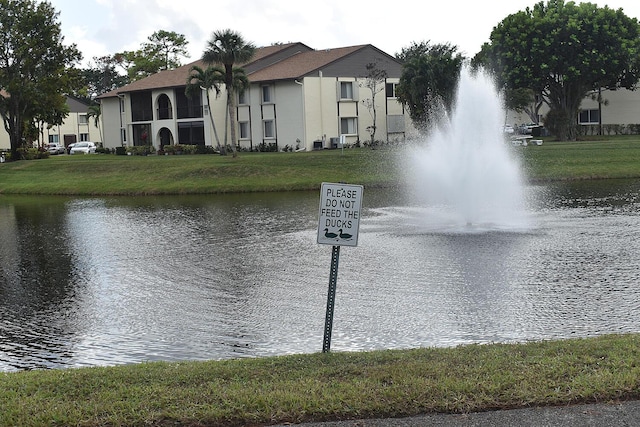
column 464, row 170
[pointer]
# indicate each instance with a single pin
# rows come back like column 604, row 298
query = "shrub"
column 267, row 148
column 189, row 149
column 32, row 153
column 140, row 150
column 204, row 149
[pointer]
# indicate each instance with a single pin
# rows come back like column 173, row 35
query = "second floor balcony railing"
column 141, row 115
column 190, row 112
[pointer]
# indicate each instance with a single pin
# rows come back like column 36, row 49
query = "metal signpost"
column 338, row 225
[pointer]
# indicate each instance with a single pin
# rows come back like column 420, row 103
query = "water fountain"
column 464, row 171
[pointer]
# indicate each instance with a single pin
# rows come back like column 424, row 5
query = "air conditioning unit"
column 333, row 142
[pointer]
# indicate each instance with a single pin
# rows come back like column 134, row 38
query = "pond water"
column 106, row 281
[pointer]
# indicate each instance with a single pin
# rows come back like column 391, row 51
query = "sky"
column 104, row 27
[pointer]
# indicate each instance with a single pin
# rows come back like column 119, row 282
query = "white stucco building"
column 298, row 98
column 76, row 127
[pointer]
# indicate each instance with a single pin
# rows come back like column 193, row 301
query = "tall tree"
column 95, row 112
column 50, row 109
column 516, row 99
column 428, row 81
column 374, row 81
column 166, row 48
column 162, row 51
column 99, row 77
column 565, row 51
column 34, row 64
column 229, row 48
column 206, row 79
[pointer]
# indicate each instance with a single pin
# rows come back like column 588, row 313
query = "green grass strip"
column 330, row 386
column 610, row 157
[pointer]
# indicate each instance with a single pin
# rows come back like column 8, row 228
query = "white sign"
column 339, row 214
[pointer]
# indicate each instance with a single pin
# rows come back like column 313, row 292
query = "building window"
column 390, row 90
column 349, row 126
column 123, row 136
column 395, row 123
column 164, row 108
column 141, row 106
column 191, row 133
column 243, row 99
column 346, row 90
column 188, row 107
column 82, row 119
column 267, row 94
column 54, row 139
column 84, row 137
column 269, row 129
column 244, row 130
column 589, row 117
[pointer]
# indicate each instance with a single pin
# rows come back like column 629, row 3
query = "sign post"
column 338, row 225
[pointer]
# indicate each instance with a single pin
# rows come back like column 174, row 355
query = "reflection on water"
column 122, row 280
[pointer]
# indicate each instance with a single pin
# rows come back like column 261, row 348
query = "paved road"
column 624, row 414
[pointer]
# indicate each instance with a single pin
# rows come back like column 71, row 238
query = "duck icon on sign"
column 340, row 235
column 344, row 236
column 330, row 235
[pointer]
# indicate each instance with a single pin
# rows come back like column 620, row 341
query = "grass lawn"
column 327, row 386
column 614, row 157
column 194, row 174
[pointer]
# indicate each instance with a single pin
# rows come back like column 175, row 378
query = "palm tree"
column 210, row 78
column 228, row 48
column 95, row 111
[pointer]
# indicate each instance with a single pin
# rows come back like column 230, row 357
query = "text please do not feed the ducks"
column 339, row 214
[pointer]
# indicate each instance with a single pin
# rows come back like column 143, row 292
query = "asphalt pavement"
column 620, row 414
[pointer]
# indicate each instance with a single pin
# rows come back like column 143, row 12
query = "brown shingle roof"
column 301, row 62
column 163, row 79
column 178, row 76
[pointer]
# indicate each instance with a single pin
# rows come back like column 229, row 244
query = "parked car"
column 526, row 128
column 55, row 148
column 508, row 129
column 83, row 148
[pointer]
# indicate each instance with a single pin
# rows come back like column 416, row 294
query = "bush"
column 189, row 149
column 169, row 149
column 121, row 151
column 140, row 150
column 204, row 149
column 267, row 148
column 32, row 153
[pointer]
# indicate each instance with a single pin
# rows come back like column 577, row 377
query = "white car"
column 83, row 148
column 55, row 148
column 508, row 129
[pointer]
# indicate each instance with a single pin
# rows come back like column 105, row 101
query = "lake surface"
column 106, row 281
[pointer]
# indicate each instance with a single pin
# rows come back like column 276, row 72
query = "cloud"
column 101, row 27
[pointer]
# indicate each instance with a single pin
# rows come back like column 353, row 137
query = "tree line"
column 554, row 53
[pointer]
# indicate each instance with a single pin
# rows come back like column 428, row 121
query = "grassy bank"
column 594, row 158
column 195, row 174
column 327, row 386
column 613, row 157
